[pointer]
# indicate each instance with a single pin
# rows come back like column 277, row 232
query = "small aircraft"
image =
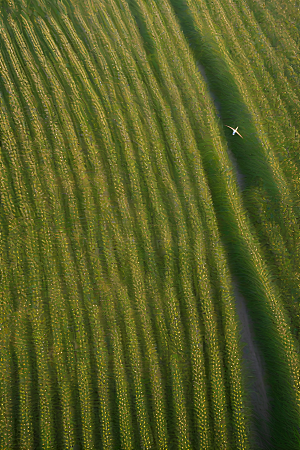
column 235, row 130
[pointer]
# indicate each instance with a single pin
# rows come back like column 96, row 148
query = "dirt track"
column 253, row 362
column 255, row 372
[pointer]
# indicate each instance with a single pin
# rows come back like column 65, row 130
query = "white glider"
column 234, row 130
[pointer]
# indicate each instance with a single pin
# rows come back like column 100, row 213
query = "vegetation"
column 122, row 222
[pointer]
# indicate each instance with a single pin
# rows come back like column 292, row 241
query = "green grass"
column 122, row 223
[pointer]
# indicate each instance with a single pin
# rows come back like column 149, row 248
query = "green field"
column 130, row 214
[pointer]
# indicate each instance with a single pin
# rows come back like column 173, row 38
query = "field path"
column 255, row 371
column 253, row 362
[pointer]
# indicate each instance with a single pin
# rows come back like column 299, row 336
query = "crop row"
column 280, row 27
column 273, row 300
column 291, row 177
column 6, row 405
column 284, row 263
column 278, row 99
column 152, row 90
column 105, row 162
column 84, row 371
column 134, row 265
column 173, row 317
column 119, row 190
column 162, row 165
column 246, row 54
